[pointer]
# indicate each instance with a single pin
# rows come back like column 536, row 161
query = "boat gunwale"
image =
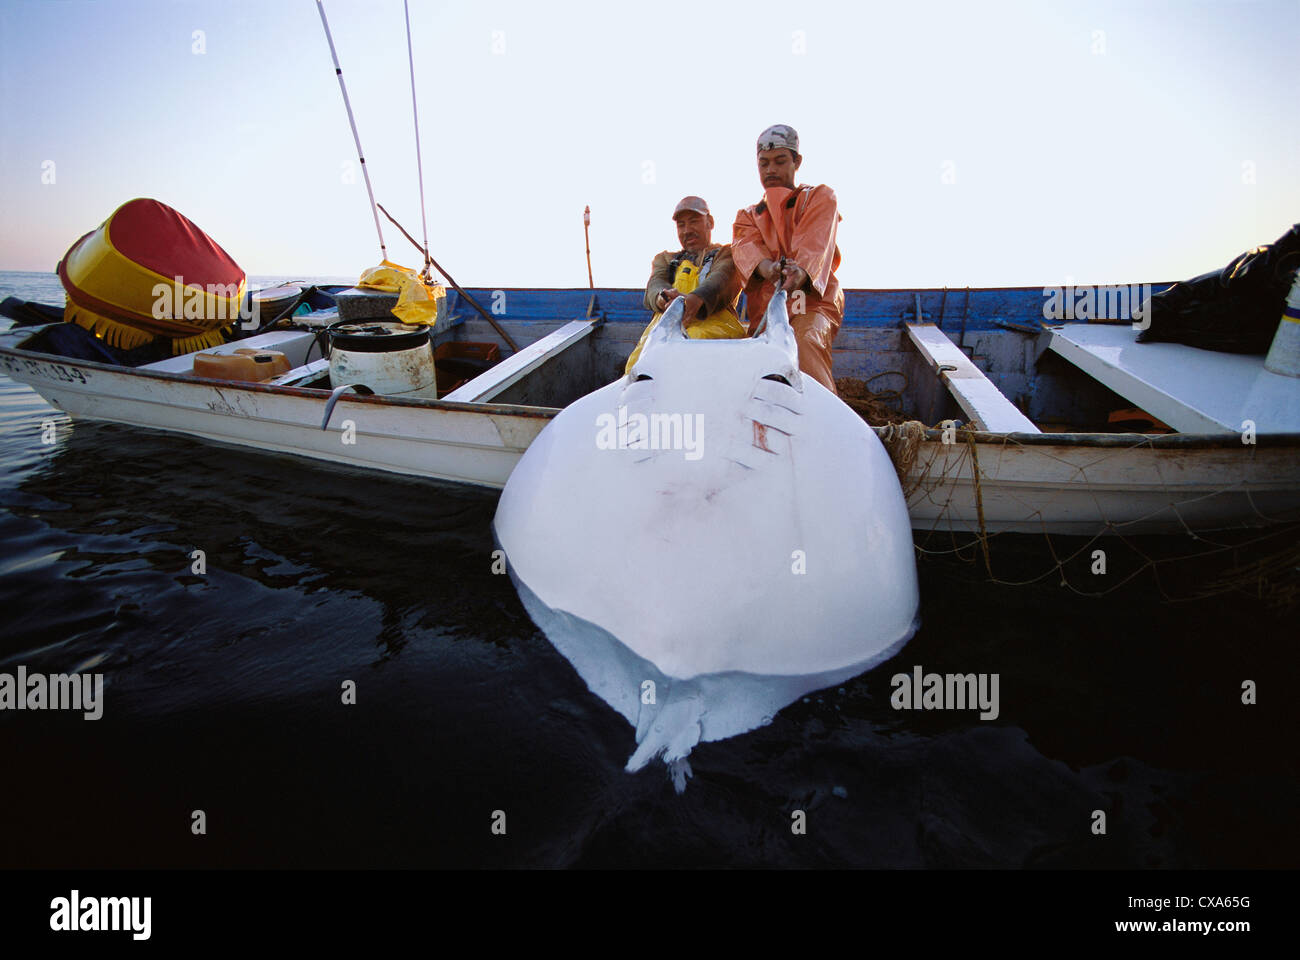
column 1177, row 441
column 310, row 393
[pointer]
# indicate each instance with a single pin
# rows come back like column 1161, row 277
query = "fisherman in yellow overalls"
column 703, row 273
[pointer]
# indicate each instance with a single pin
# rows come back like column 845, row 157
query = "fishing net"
column 1261, row 562
column 1257, row 559
column 876, row 407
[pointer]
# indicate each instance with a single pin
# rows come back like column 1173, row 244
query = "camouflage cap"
column 777, row 136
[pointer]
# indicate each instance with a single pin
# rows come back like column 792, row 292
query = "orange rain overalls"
column 803, row 231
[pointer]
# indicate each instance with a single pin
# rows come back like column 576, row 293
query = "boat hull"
column 1090, row 484
column 424, row 438
column 1071, row 484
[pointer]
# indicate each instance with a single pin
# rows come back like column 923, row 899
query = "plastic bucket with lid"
column 390, row 357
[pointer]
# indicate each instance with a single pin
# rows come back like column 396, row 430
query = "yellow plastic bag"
column 417, row 302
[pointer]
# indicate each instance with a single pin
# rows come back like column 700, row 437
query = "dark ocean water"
column 223, row 694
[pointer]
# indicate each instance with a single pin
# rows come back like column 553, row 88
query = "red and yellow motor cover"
column 148, row 271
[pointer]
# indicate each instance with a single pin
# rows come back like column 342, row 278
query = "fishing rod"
column 419, row 163
column 347, row 104
column 376, row 207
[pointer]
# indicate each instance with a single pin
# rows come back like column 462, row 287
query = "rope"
column 889, row 373
column 979, row 500
column 338, row 72
column 903, row 443
column 1273, row 576
column 902, row 437
column 876, row 408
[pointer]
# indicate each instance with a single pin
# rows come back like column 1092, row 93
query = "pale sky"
column 982, row 144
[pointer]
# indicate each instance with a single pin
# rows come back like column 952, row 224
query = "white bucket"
column 393, row 359
column 1284, row 355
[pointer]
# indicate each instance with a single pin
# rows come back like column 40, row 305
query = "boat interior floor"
column 1002, row 381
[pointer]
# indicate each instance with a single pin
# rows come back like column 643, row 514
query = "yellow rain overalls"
column 720, row 325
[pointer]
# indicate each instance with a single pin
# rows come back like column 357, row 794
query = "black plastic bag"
column 1236, row 309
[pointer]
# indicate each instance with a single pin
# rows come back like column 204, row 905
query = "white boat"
column 1017, row 408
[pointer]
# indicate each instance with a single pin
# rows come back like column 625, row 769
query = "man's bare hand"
column 691, row 307
column 767, row 269
column 793, row 276
column 665, row 298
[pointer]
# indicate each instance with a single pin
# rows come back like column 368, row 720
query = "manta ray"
column 710, row 538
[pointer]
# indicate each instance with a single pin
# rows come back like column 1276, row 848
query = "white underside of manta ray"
column 710, row 538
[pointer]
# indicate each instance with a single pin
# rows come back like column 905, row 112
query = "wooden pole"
column 586, row 232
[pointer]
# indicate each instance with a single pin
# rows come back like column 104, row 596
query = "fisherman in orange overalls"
column 787, row 241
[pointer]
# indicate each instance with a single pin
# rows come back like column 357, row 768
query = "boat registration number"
column 42, row 368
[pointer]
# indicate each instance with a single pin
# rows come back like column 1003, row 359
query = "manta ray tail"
column 680, row 771
column 669, row 731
